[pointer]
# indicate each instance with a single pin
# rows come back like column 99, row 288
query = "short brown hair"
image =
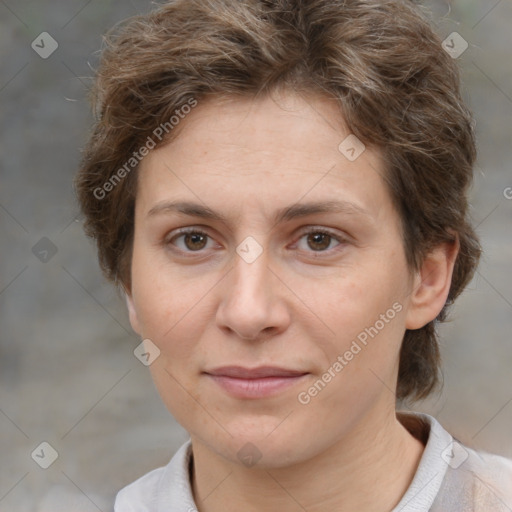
column 397, row 88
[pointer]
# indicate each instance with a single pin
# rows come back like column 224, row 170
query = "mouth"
column 253, row 383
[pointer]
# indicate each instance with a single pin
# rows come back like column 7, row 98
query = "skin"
column 299, row 305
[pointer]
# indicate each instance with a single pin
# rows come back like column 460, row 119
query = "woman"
column 280, row 189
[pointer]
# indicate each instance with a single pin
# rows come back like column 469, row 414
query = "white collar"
column 169, row 489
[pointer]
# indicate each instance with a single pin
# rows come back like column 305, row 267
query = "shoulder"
column 474, row 480
column 452, row 477
column 166, row 488
column 481, row 479
column 140, row 495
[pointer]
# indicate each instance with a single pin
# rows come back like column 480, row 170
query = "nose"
column 253, row 302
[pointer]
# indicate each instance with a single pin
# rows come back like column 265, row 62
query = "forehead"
column 285, row 149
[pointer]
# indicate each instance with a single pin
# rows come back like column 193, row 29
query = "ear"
column 132, row 313
column 432, row 285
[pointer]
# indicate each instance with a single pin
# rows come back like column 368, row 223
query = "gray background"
column 67, row 371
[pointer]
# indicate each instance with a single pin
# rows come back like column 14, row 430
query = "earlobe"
column 432, row 285
column 132, row 313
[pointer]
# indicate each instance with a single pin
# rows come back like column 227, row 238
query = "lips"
column 239, row 372
column 254, row 383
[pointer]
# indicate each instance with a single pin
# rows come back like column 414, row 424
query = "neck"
column 368, row 470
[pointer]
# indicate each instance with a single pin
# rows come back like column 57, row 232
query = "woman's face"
column 278, row 320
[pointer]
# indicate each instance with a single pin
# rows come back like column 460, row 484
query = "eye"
column 194, row 240
column 319, row 240
column 191, row 240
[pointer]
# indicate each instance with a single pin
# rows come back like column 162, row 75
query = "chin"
column 265, row 442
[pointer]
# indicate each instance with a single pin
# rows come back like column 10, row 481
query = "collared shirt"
column 450, row 478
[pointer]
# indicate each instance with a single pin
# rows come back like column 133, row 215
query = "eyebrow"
column 285, row 214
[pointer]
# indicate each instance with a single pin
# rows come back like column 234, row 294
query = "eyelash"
column 185, row 231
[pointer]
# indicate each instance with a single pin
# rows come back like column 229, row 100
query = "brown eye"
column 190, row 241
column 195, row 241
column 319, row 241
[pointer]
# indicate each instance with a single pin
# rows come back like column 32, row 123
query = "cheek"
column 361, row 362
column 170, row 307
column 154, row 295
column 364, row 313
column 351, row 304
